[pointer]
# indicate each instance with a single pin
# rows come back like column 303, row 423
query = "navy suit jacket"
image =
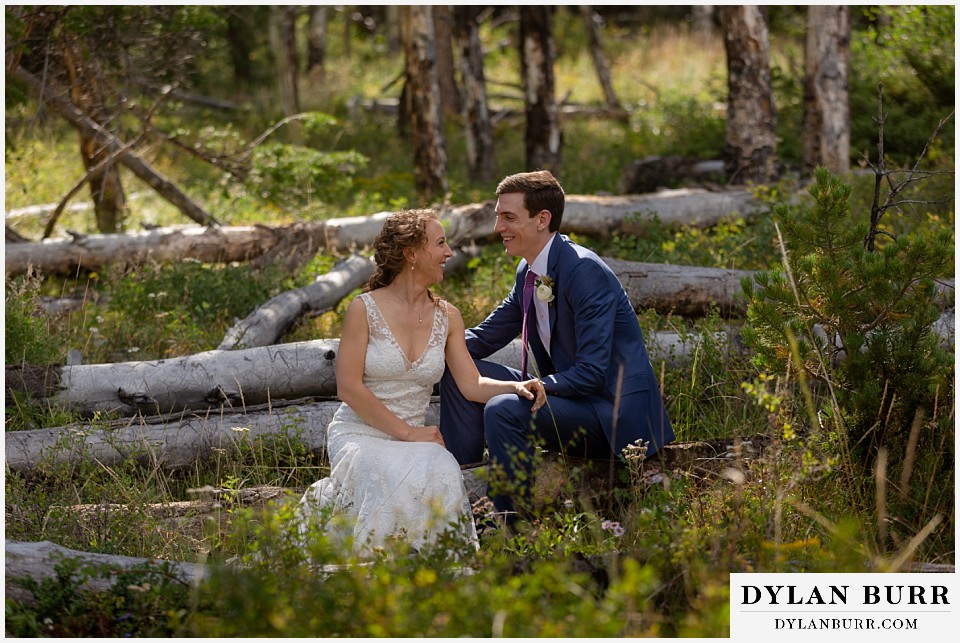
column 597, row 351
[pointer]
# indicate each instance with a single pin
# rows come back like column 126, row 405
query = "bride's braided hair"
column 402, row 230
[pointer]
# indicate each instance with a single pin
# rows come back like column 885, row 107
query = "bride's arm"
column 474, row 386
column 352, row 391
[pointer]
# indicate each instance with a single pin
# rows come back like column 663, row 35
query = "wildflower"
column 240, row 429
column 635, row 452
column 612, row 525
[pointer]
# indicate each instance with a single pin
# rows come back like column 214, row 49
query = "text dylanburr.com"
column 848, row 607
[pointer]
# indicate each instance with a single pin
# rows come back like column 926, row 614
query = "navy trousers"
column 511, row 433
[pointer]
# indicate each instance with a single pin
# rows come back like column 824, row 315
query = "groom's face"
column 523, row 235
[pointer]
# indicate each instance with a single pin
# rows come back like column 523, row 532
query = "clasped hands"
column 530, row 389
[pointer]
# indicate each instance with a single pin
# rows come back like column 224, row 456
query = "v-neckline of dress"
column 393, row 337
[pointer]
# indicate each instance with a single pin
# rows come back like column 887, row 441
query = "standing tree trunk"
column 702, row 17
column 109, row 200
column 239, row 39
column 446, row 76
column 590, row 19
column 423, row 94
column 283, row 43
column 317, row 42
column 476, row 112
column 750, row 149
column 543, row 137
column 826, row 104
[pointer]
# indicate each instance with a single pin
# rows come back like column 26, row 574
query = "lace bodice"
column 403, row 386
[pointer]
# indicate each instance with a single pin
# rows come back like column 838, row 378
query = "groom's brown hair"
column 541, row 191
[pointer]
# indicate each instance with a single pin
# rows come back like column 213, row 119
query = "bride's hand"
column 533, row 390
column 425, row 434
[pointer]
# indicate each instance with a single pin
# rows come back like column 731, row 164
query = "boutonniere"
column 544, row 288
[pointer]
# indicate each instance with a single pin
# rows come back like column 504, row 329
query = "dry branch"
column 90, row 128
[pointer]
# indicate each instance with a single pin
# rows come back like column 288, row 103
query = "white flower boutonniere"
column 545, row 288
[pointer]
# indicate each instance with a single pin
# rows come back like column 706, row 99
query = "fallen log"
column 39, row 561
column 211, row 379
column 653, row 173
column 293, row 244
column 597, row 216
column 243, row 378
column 601, row 216
column 170, row 441
column 268, row 323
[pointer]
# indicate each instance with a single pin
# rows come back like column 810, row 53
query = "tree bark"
column 446, row 76
column 591, row 19
column 210, row 379
column 543, row 134
column 283, row 43
column 826, row 95
column 317, row 42
column 750, row 149
column 172, row 441
column 293, row 244
column 106, row 190
column 688, row 291
column 476, row 113
column 423, row 94
column 52, row 96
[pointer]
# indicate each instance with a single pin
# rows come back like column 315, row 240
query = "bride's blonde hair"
column 402, row 230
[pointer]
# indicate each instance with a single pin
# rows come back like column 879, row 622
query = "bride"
column 391, row 476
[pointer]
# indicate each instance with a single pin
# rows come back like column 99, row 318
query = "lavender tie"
column 527, row 297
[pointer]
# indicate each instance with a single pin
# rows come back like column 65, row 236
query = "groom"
column 581, row 337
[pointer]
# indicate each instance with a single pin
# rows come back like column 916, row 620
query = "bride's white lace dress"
column 387, row 487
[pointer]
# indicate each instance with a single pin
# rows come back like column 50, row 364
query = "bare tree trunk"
column 703, row 18
column 239, row 41
column 317, row 42
column 422, row 86
column 52, row 96
column 750, row 150
column 283, row 43
column 446, row 69
column 476, row 113
column 393, row 29
column 826, row 95
column 106, row 190
column 591, row 19
column 543, row 135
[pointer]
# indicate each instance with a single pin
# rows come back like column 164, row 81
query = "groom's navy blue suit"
column 597, row 365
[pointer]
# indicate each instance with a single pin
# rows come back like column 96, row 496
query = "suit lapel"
column 552, row 261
